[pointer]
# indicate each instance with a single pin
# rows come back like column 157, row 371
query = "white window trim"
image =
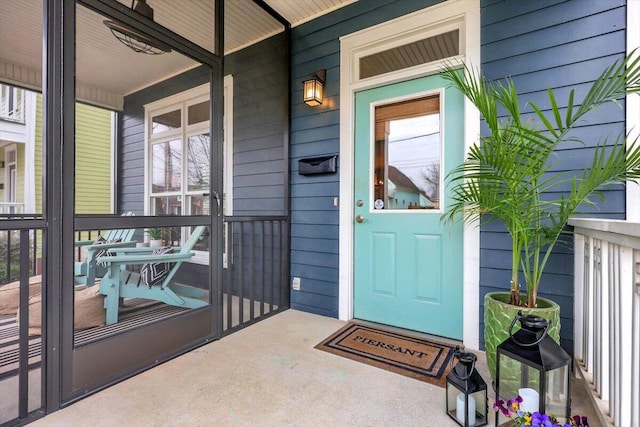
column 29, row 201
column 228, row 144
column 372, row 114
column 186, row 95
column 113, row 166
column 158, row 107
column 442, row 17
column 189, row 97
column 227, row 180
column 633, row 110
column 170, row 103
column 7, row 173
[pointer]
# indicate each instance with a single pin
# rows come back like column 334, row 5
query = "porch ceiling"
column 106, row 71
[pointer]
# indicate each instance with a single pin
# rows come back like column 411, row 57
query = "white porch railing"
column 607, row 315
column 11, row 208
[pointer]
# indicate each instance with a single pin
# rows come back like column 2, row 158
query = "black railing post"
column 272, row 243
column 34, row 252
column 241, row 275
column 254, row 273
column 262, row 268
column 229, row 276
column 23, row 330
column 8, row 257
column 251, row 268
column 285, row 272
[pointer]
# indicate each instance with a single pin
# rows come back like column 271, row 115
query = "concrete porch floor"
column 269, row 374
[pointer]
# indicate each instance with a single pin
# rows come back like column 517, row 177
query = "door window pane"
column 166, row 166
column 431, row 49
column 407, row 157
column 198, row 163
column 167, row 121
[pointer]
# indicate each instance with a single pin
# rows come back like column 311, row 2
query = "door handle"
column 360, row 219
column 217, row 197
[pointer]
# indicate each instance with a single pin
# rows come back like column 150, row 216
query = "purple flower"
column 578, row 421
column 511, row 409
column 499, row 405
column 541, row 420
column 514, row 403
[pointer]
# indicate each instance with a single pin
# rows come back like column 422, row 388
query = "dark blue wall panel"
column 557, row 44
column 260, row 122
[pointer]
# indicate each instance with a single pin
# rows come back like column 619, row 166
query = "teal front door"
column 407, row 265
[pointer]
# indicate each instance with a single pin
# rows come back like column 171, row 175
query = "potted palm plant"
column 155, row 237
column 511, row 176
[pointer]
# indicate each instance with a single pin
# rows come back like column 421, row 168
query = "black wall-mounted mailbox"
column 317, row 165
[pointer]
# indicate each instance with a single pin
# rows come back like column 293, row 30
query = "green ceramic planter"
column 498, row 315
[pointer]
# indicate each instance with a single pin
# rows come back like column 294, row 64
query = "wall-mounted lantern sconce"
column 312, row 92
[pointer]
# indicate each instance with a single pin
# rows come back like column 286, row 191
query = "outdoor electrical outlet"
column 296, row 283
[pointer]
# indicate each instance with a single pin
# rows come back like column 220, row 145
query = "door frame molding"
column 463, row 15
column 632, row 113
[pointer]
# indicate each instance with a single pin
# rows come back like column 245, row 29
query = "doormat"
column 422, row 359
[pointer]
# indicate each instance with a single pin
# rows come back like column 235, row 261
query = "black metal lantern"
column 466, row 392
column 313, row 89
column 530, row 364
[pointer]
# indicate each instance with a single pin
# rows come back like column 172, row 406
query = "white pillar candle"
column 460, row 409
column 530, row 400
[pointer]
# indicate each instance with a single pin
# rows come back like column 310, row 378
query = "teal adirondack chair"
column 121, row 283
column 86, row 272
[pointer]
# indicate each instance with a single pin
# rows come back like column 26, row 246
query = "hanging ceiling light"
column 132, row 38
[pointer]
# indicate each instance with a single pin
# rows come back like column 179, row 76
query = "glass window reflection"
column 198, row 113
column 407, row 155
column 166, row 122
column 166, row 164
column 198, row 162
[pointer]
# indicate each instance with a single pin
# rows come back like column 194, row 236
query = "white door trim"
column 633, row 112
column 465, row 15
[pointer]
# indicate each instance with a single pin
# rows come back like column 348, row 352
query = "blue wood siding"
column 259, row 124
column 558, row 44
column 315, row 131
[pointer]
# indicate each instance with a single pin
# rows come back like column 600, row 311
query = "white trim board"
column 30, row 78
column 464, row 14
column 182, row 101
column 633, row 110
